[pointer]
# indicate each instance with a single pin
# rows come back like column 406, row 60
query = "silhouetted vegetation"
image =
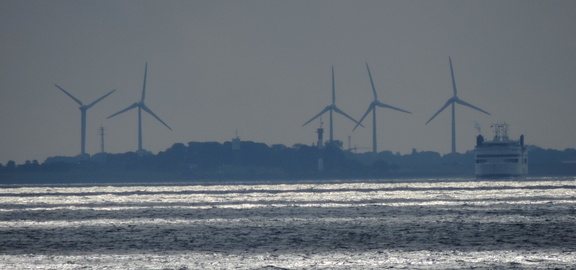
column 213, row 161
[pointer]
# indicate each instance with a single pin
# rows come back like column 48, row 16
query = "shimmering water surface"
column 412, row 224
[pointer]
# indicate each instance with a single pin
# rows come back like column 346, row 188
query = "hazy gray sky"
column 263, row 68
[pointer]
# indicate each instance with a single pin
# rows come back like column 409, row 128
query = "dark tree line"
column 252, row 160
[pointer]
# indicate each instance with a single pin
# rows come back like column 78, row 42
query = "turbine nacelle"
column 143, row 107
column 82, row 106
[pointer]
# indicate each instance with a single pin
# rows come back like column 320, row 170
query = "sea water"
column 410, row 223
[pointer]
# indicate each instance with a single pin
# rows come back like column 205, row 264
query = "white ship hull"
column 501, row 157
column 496, row 170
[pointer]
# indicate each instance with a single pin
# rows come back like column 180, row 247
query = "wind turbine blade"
column 453, row 80
column 471, row 106
column 144, row 85
column 146, row 109
column 450, row 101
column 372, row 82
column 370, row 108
column 127, row 109
column 346, row 115
column 380, row 104
column 333, row 88
column 318, row 115
column 70, row 95
column 98, row 100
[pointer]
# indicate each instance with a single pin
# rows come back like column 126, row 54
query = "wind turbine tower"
column 372, row 107
column 332, row 108
column 141, row 107
column 83, row 110
column 452, row 101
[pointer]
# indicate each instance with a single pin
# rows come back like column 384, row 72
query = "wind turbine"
column 83, row 109
column 452, row 101
column 332, row 108
column 372, row 107
column 141, row 106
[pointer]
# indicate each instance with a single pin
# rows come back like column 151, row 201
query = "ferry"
column 501, row 157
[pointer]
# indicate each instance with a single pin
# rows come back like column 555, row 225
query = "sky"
column 263, row 68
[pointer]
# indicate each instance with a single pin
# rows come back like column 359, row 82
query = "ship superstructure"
column 501, row 157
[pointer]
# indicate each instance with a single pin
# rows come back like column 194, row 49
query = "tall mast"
column 101, row 139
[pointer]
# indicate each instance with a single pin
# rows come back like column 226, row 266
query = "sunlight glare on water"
column 415, row 223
